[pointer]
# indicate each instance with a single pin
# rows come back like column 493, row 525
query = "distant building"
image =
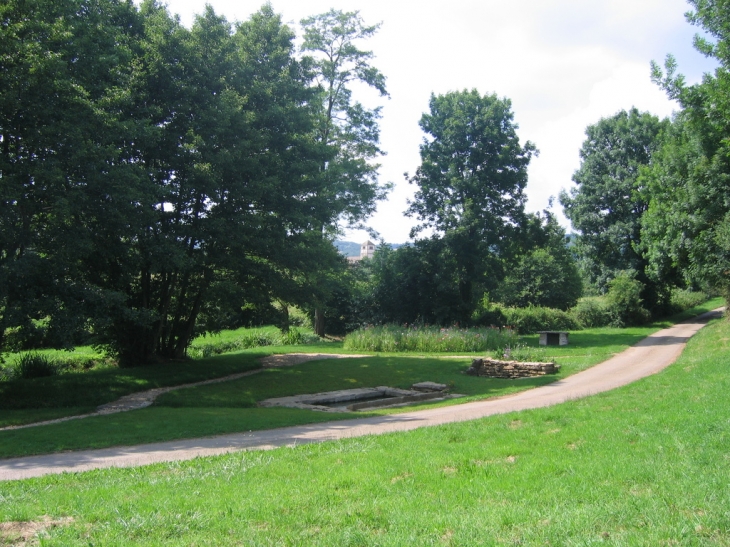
column 367, row 250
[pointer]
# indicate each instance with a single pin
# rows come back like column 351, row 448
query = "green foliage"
column 251, row 339
column 541, row 279
column 470, row 187
column 349, row 176
column 40, row 365
column 591, row 312
column 534, row 318
column 35, row 365
column 607, row 205
column 394, row 338
column 333, row 39
column 540, row 268
column 524, row 353
column 158, row 179
column 685, row 229
column 625, row 303
column 65, row 76
column 684, row 299
column 488, row 314
column 685, row 225
column 414, row 284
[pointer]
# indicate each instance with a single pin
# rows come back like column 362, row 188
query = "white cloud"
column 565, row 64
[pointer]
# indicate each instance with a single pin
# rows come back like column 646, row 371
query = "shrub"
column 625, row 303
column 532, row 319
column 35, row 365
column 683, row 299
column 394, row 338
column 592, row 312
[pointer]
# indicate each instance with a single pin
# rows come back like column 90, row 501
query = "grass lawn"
column 231, row 406
column 25, row 401
column 647, row 464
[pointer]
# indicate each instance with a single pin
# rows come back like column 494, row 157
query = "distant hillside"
column 350, row 248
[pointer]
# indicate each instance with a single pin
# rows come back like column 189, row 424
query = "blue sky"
column 564, row 64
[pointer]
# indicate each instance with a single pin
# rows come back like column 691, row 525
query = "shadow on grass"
column 96, row 387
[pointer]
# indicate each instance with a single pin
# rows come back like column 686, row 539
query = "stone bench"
column 553, row 338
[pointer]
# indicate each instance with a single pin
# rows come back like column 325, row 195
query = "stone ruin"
column 493, row 368
column 364, row 398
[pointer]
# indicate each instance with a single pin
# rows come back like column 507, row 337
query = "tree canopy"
column 608, row 202
column 685, row 230
column 471, row 184
column 152, row 172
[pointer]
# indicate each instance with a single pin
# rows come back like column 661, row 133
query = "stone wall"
column 493, row 368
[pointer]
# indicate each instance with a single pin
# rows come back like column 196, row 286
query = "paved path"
column 649, row 356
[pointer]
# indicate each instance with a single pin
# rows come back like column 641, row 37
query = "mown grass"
column 643, row 465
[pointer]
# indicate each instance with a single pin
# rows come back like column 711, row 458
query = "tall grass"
column 41, row 364
column 394, row 338
column 250, row 338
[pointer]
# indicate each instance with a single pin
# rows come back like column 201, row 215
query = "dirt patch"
column 21, row 534
column 291, row 359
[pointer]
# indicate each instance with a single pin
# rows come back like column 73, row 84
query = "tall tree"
column 64, row 73
column 351, row 130
column 607, row 204
column 686, row 225
column 471, row 185
column 232, row 171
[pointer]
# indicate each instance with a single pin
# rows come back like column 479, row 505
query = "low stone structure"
column 493, row 368
column 348, row 400
column 429, row 386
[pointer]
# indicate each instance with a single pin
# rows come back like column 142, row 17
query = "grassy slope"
column 646, row 464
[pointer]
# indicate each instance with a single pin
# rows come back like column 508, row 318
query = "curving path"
column 649, row 356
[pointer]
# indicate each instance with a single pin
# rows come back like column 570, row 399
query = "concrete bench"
column 553, row 338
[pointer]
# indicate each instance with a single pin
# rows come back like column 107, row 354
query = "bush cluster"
column 395, row 338
column 623, row 307
column 684, row 299
column 591, row 312
column 534, row 318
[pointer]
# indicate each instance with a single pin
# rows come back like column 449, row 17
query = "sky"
column 564, row 64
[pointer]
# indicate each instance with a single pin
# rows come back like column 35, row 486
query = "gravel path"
column 649, row 356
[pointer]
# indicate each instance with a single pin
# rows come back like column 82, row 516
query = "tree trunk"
column 284, row 326
column 319, row 322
